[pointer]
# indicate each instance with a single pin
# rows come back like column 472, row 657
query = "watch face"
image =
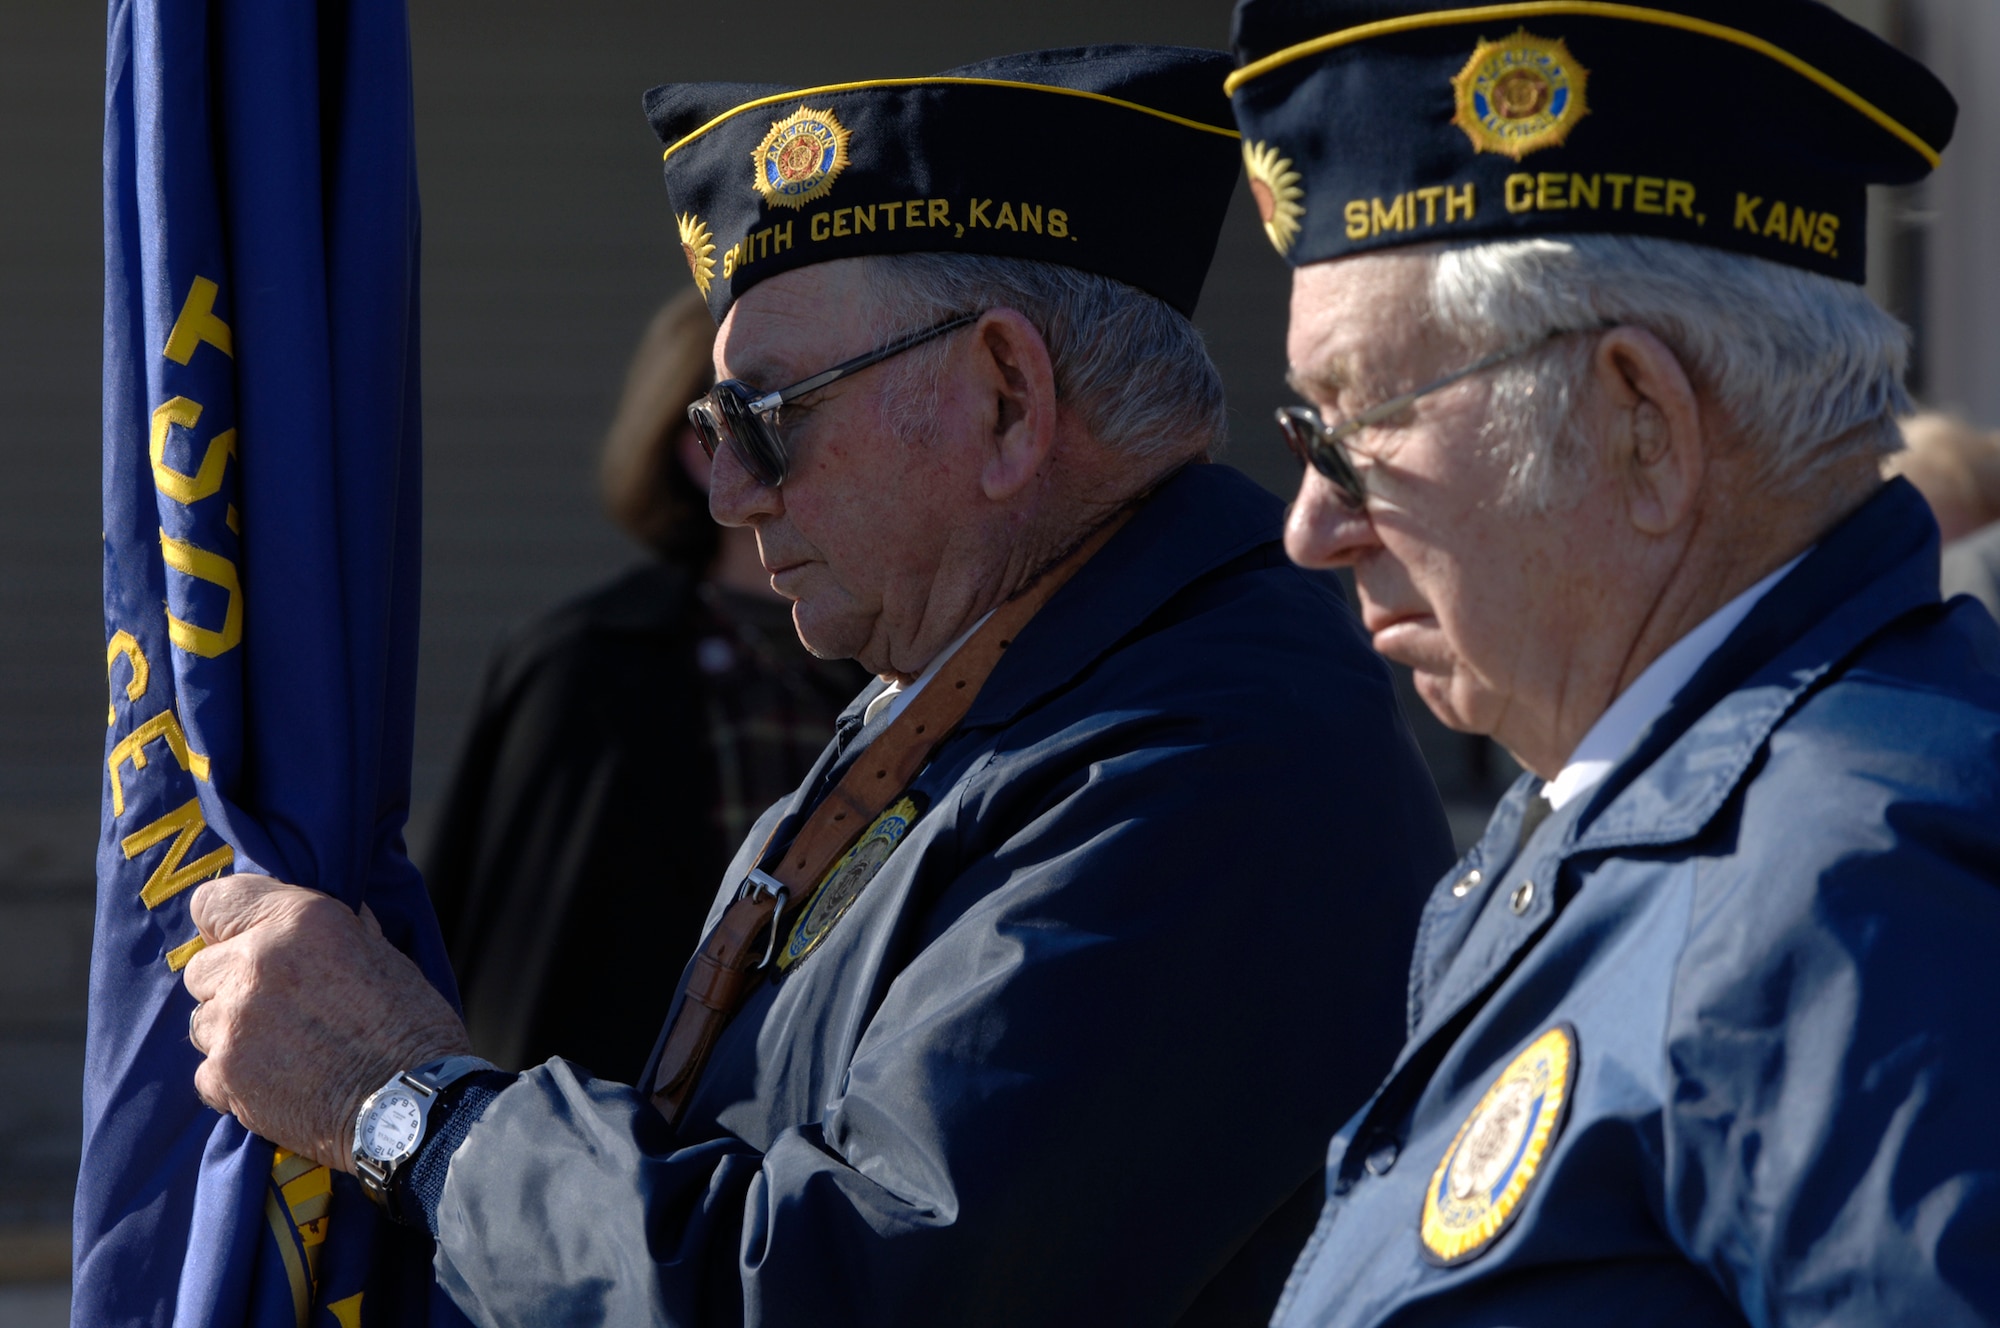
column 392, row 1127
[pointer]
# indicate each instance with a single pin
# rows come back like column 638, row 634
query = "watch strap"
column 442, row 1073
column 426, row 1081
column 419, row 1189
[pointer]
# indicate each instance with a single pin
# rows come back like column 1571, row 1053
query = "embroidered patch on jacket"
column 801, row 157
column 846, row 879
column 1275, row 184
column 1485, row 1174
column 1520, row 95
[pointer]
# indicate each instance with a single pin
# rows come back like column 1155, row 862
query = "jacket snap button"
column 1466, row 884
column 1524, row 895
column 1382, row 1158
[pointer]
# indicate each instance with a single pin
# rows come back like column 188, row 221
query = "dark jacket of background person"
column 619, row 748
column 1074, row 1054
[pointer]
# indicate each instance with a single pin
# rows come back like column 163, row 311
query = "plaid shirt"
column 770, row 704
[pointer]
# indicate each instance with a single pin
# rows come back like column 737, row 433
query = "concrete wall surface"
column 1956, row 213
column 51, row 626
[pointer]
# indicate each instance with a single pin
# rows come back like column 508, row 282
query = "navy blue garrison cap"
column 1052, row 155
column 1749, row 125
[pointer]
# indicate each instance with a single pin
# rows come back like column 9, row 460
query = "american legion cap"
column 1749, row 125
column 1053, row 155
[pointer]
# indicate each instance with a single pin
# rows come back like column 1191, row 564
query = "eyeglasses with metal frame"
column 734, row 412
column 1323, row 446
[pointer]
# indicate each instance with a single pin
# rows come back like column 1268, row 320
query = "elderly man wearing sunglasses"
column 1035, row 1003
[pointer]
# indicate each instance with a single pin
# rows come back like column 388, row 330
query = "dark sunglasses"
column 737, row 413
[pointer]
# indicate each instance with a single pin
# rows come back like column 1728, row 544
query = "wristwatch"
column 390, row 1128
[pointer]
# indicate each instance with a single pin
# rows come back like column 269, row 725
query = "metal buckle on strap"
column 755, row 886
column 777, row 916
column 759, row 882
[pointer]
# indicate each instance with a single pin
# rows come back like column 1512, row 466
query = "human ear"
column 1011, row 364
column 1659, row 445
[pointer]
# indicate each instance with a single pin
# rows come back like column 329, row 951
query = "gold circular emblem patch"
column 800, row 158
column 1276, row 187
column 846, row 879
column 1520, row 95
column 698, row 247
column 1479, row 1185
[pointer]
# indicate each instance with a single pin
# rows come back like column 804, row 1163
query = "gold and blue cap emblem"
column 1749, row 125
column 1484, row 1177
column 1028, row 156
column 800, row 158
column 1520, row 95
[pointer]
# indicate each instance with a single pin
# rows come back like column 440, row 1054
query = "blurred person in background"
column 1957, row 469
column 621, row 747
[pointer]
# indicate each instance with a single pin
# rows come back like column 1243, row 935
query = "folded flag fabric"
column 261, row 546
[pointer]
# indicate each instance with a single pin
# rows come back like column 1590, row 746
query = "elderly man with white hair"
column 1036, row 1002
column 1702, row 1030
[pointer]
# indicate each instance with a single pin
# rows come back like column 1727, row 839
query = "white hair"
column 1806, row 368
column 1132, row 369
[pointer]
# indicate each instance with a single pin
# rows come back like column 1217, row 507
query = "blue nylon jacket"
column 1774, row 937
column 1074, row 1053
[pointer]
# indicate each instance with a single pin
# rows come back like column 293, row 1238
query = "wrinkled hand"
column 306, row 1010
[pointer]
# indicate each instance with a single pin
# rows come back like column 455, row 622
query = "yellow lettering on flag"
column 177, row 958
column 132, row 748
column 197, row 323
column 184, row 824
column 297, row 1275
column 217, row 570
column 207, row 478
column 124, row 643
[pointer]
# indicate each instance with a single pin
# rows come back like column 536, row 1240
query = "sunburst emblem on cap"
column 698, row 246
column 801, row 157
column 1485, row 1174
column 1275, row 186
column 1520, row 95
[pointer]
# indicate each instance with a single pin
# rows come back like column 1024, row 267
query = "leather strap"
column 731, row 959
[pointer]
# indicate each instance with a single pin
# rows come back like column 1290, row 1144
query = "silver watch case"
column 388, row 1131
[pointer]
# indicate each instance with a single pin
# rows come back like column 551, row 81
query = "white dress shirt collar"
column 891, row 700
column 1649, row 696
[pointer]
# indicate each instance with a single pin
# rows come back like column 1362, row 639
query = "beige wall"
column 1956, row 213
column 51, row 629
column 1934, row 249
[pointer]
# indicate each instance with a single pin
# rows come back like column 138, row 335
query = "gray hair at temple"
column 1806, row 367
column 1132, row 369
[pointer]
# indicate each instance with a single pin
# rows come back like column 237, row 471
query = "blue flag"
column 261, row 544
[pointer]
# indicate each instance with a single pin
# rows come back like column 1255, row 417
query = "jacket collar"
column 1201, row 518
column 1874, row 567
